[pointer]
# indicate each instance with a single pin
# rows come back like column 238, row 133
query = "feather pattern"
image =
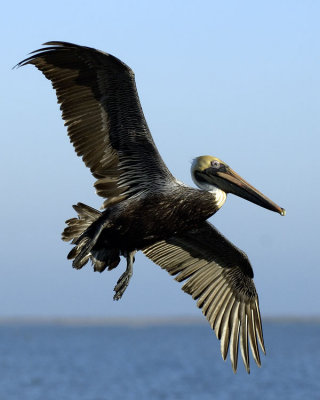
column 220, row 276
column 101, row 109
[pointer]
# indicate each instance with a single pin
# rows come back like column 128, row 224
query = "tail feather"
column 84, row 232
column 85, row 243
column 76, row 226
column 104, row 258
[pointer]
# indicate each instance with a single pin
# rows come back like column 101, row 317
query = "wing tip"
column 35, row 53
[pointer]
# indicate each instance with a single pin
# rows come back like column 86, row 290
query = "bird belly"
column 144, row 222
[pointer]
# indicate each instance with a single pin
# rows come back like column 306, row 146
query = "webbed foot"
column 124, row 279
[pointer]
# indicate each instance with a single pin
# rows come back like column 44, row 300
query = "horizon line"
column 137, row 321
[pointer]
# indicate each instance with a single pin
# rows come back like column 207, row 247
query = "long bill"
column 230, row 182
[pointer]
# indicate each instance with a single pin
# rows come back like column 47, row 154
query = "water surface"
column 74, row 362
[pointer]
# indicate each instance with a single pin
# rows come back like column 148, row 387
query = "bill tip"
column 283, row 212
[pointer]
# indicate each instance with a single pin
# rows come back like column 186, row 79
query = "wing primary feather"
column 194, row 270
column 216, row 323
column 234, row 339
column 252, row 336
column 204, row 295
column 225, row 334
column 222, row 312
column 258, row 324
column 193, row 283
column 203, row 285
column 218, row 303
column 244, row 337
column 212, row 299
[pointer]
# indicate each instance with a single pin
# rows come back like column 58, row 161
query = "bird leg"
column 124, row 279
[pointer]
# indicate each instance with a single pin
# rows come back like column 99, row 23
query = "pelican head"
column 209, row 173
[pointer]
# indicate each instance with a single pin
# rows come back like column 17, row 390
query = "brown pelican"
column 145, row 207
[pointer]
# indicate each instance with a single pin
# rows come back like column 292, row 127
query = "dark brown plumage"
column 145, row 207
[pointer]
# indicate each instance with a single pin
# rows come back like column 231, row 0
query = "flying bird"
column 145, row 208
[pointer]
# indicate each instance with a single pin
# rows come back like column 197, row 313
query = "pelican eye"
column 215, row 164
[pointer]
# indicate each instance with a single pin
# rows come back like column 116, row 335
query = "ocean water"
column 74, row 362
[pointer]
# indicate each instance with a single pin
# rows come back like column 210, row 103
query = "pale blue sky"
column 238, row 80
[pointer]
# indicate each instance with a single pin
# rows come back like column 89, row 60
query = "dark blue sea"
column 79, row 362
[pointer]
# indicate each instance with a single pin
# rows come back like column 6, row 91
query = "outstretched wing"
column 106, row 125
column 219, row 276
